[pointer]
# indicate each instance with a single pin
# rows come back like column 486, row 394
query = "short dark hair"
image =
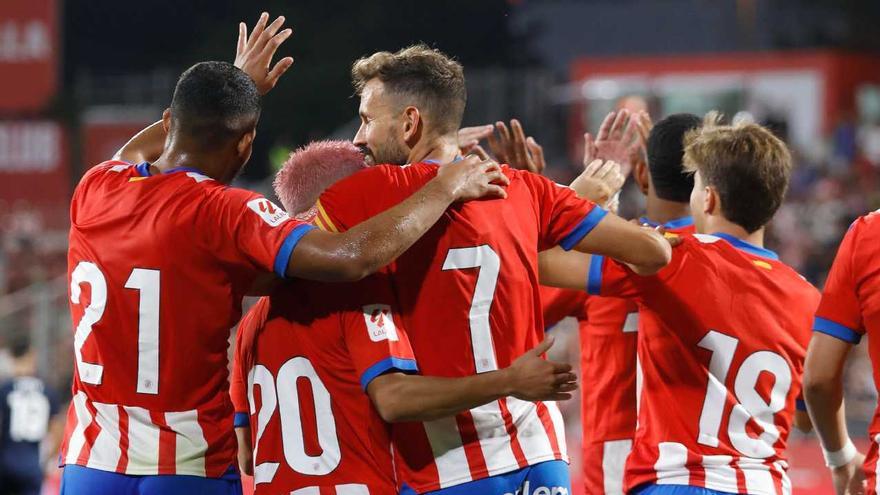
column 665, row 153
column 432, row 80
column 19, row 344
column 747, row 165
column 213, row 103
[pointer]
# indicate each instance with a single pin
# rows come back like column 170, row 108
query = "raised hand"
column 473, row 178
column 534, row 378
column 470, row 137
column 511, row 146
column 254, row 52
column 600, row 181
column 622, row 137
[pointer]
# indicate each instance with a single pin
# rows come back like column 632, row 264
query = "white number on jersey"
column 146, row 282
column 28, row 414
column 489, row 264
column 292, row 433
column 750, row 403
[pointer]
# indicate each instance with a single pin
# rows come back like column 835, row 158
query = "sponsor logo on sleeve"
column 380, row 323
column 268, row 211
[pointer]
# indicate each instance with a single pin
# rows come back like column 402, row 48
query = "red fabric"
column 501, row 238
column 333, row 329
column 197, row 246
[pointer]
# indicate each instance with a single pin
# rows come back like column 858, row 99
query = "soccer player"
column 160, row 255
column 468, row 290
column 724, row 328
column 849, row 310
column 28, row 417
column 608, row 325
column 304, row 358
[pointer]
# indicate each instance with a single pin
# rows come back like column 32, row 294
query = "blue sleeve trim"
column 594, row 276
column 241, row 419
column 583, row 228
column 286, row 250
column 386, row 365
column 800, row 405
column 837, row 330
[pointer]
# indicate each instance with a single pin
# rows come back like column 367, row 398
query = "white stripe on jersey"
column 720, row 475
column 77, row 437
column 349, row 489
column 671, row 464
column 529, row 430
column 105, row 451
column 190, row 442
column 758, row 478
column 143, row 442
column 352, row 489
column 558, row 428
column 494, row 440
column 614, row 454
column 449, row 457
column 782, row 469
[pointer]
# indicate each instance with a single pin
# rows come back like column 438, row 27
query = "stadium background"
column 77, row 78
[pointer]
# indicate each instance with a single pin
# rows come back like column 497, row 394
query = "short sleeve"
column 839, row 313
column 565, row 219
column 367, row 193
column 611, row 278
column 247, row 229
column 242, row 359
column 374, row 333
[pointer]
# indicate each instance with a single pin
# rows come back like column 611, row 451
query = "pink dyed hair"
column 312, row 169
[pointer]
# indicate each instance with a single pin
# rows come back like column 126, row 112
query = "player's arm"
column 245, row 449
column 372, row 244
column 823, row 392
column 145, row 146
column 403, row 397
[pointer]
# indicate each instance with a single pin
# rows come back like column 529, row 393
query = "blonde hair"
column 421, row 76
column 748, row 166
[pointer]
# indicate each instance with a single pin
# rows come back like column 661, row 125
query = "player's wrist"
column 841, row 457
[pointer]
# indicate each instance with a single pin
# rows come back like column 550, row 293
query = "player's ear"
column 412, row 125
column 711, row 201
column 642, row 178
column 166, row 120
column 247, row 140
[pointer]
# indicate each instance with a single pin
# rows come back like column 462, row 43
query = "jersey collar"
column 672, row 224
column 143, row 169
column 747, row 247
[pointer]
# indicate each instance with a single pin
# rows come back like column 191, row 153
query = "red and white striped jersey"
column 157, row 269
column 722, row 343
column 468, row 292
column 303, row 359
column 609, row 403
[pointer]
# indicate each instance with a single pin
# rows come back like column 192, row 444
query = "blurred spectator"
column 29, row 420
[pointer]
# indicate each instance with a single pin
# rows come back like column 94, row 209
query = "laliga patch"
column 268, row 211
column 380, row 323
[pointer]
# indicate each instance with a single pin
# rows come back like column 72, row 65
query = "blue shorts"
column 675, row 490
column 552, row 476
column 79, row 480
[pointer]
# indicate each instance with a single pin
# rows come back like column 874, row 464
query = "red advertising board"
column 34, row 170
column 102, row 137
column 28, row 54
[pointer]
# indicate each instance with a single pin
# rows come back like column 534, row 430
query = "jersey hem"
column 484, row 473
column 594, row 275
column 834, row 329
column 145, row 472
column 282, row 259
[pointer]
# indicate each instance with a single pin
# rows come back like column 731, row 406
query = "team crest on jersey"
column 380, row 323
column 268, row 211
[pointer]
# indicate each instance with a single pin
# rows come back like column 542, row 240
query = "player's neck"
column 173, row 158
column 442, row 150
column 662, row 211
column 715, row 225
